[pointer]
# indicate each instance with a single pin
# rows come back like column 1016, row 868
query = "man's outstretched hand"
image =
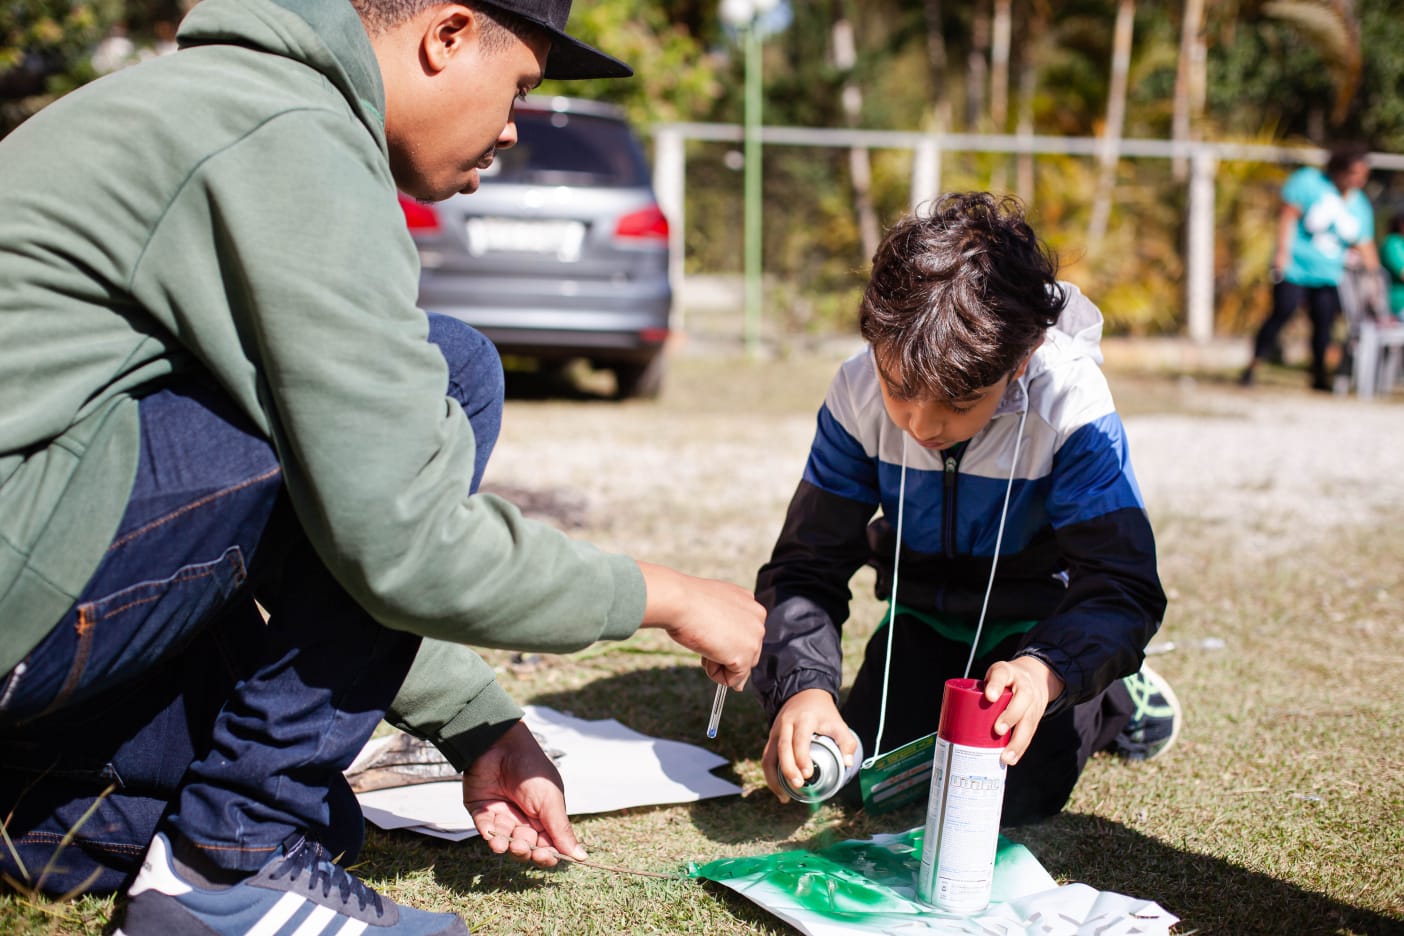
column 721, row 622
column 517, row 800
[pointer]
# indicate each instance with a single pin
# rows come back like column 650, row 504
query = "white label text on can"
column 962, row 827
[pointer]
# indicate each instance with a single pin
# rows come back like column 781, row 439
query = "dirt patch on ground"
column 701, row 478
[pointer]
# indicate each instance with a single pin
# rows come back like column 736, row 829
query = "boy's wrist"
column 1056, row 702
column 791, row 685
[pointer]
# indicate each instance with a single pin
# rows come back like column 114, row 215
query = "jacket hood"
column 1076, row 334
column 324, row 34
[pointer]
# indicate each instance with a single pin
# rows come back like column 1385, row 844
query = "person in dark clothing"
column 977, row 423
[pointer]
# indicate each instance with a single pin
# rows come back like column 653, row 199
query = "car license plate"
column 495, row 235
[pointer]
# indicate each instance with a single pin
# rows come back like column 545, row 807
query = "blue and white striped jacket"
column 1077, row 556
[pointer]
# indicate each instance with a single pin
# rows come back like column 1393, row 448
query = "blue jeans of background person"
column 164, row 688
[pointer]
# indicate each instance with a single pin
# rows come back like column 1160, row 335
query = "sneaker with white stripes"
column 300, row 892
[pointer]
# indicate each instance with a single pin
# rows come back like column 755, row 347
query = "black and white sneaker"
column 301, row 891
column 1155, row 719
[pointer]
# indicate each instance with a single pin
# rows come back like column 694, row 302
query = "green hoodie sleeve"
column 452, row 699
column 305, row 311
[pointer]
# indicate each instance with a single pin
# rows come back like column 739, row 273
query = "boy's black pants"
column 922, row 661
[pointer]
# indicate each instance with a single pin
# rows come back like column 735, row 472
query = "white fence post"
column 1199, row 247
column 670, row 185
column 926, row 171
column 927, row 149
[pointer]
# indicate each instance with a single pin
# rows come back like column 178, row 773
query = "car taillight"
column 419, row 216
column 647, row 224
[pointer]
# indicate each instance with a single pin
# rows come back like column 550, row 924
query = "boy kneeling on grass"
column 981, row 381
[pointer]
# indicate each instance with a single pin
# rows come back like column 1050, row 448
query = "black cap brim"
column 571, row 58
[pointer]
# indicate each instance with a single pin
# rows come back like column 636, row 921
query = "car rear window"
column 555, row 148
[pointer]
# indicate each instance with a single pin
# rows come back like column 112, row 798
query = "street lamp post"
column 744, row 15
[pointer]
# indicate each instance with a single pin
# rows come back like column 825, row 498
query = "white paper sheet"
column 605, row 766
column 1027, row 902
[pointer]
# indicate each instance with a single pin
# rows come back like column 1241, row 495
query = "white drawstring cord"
column 892, row 614
column 896, row 557
column 999, row 539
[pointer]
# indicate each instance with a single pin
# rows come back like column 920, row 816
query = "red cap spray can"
column 967, row 795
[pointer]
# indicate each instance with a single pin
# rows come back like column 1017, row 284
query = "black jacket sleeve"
column 804, row 588
column 1113, row 606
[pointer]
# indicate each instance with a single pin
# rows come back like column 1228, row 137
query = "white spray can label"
column 967, row 796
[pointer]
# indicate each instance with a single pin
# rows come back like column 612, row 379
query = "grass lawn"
column 1280, row 810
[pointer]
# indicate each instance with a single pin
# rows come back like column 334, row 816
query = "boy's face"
column 449, row 98
column 940, row 424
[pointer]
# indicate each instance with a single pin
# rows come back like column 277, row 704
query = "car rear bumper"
column 600, row 334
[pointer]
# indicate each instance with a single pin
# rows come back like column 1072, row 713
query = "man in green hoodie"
column 216, row 390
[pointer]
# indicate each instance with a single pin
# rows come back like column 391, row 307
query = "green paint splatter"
column 893, row 863
column 815, row 882
column 863, row 877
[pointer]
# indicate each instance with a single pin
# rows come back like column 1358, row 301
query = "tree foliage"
column 1272, row 70
column 675, row 77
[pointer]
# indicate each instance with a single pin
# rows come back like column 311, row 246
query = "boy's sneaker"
column 302, row 891
column 1155, row 717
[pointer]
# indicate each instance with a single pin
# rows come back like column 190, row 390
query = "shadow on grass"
column 1209, row 894
column 462, row 867
column 668, row 701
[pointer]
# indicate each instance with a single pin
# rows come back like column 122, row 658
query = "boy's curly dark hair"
column 960, row 293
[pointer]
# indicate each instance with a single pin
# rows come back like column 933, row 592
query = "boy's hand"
column 1034, row 684
column 808, row 712
column 722, row 622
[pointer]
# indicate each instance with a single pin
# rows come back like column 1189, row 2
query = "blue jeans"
column 164, row 697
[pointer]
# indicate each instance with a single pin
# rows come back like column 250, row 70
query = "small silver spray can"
column 829, row 774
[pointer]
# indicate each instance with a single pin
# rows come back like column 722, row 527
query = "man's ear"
column 449, row 30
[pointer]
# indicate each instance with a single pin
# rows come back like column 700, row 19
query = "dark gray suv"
column 562, row 252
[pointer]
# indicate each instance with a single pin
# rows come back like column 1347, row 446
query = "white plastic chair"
column 1376, row 350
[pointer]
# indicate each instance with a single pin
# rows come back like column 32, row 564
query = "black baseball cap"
column 569, row 58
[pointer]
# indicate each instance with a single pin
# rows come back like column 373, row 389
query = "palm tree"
column 860, row 170
column 1190, row 82
column 1334, row 28
column 936, row 63
column 1000, row 37
column 1031, row 54
column 1107, row 157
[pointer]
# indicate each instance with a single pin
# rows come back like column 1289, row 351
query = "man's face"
column 449, row 100
column 940, row 424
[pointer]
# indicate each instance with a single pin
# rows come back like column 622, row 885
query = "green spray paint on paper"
column 814, row 882
column 862, row 877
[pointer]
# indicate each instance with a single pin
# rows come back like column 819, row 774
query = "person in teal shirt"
column 1392, row 258
column 1324, row 214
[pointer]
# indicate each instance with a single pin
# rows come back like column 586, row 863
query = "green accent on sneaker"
column 1155, row 721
